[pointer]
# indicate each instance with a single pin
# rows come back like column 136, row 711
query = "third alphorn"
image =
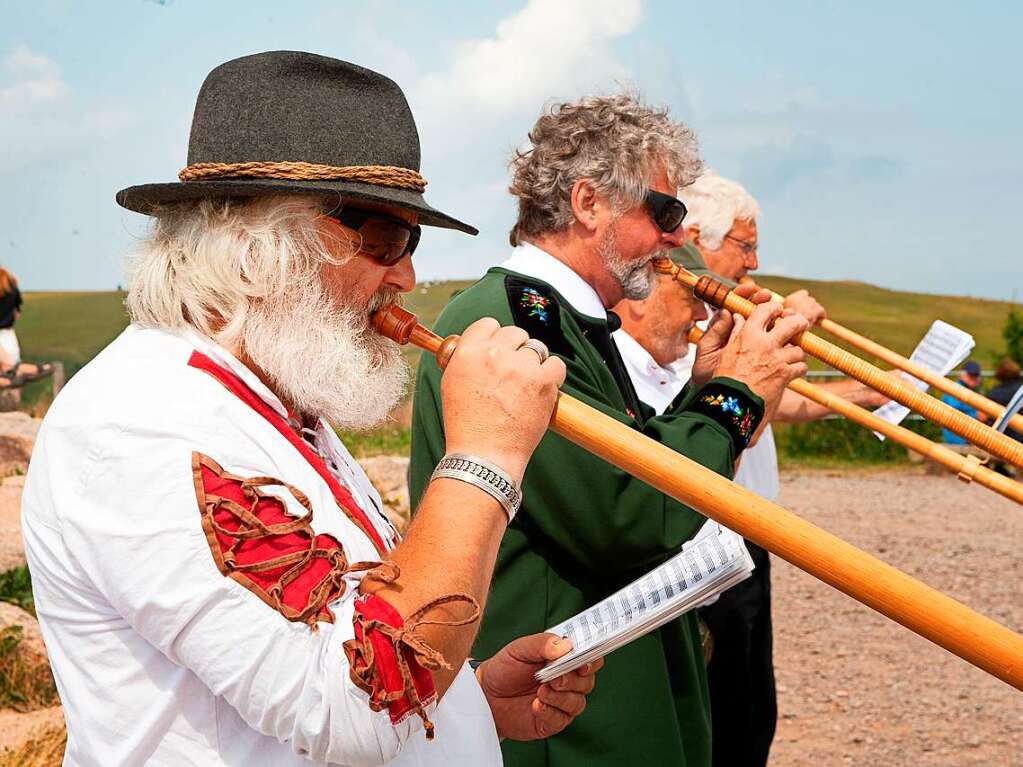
column 715, row 293
column 986, row 644
column 967, row 467
column 932, row 378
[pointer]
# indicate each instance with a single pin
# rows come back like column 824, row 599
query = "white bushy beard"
column 635, row 277
column 325, row 359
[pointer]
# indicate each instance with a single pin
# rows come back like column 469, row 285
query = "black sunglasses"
column 385, row 239
column 666, row 211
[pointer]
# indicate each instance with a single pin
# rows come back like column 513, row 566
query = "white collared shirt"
column 529, row 260
column 159, row 658
column 655, row 385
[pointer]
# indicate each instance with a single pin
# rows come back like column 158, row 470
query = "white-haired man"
column 595, row 192
column 721, row 224
column 214, row 578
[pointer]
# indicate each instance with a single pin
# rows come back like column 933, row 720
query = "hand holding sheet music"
column 699, row 572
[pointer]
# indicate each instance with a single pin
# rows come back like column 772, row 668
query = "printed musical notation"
column 942, row 349
column 690, row 578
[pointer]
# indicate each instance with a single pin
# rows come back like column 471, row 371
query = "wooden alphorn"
column 925, row 374
column 967, row 467
column 973, row 637
column 713, row 292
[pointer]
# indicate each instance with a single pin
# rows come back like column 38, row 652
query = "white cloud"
column 40, row 116
column 495, row 86
column 36, row 80
column 546, row 45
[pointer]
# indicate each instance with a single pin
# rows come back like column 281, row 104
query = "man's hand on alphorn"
column 760, row 354
column 498, row 395
column 801, row 302
column 712, row 345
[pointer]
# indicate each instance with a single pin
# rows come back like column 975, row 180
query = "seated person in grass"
column 14, row 372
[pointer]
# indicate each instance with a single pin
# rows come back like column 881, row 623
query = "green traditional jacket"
column 586, row 528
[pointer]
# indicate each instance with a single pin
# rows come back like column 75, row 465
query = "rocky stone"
column 17, row 437
column 31, row 644
column 388, row 473
column 12, row 552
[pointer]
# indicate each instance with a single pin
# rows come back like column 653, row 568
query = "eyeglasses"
column 666, row 211
column 385, row 239
column 746, row 247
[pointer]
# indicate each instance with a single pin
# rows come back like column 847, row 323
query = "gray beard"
column 326, row 360
column 635, row 277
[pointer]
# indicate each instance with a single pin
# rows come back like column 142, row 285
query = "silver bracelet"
column 484, row 475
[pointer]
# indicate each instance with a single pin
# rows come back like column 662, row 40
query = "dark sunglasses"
column 385, row 239
column 666, row 211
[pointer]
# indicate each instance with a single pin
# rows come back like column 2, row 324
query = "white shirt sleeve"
column 136, row 532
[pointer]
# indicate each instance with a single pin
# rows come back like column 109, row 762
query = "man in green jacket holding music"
column 596, row 196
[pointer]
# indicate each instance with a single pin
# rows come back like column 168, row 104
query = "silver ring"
column 539, row 347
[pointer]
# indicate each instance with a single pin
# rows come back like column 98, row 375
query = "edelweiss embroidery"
column 740, row 416
column 535, row 303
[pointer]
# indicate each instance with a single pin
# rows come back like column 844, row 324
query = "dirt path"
column 857, row 689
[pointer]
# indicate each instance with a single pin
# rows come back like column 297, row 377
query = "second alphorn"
column 967, row 467
column 977, row 639
column 715, row 293
column 932, row 378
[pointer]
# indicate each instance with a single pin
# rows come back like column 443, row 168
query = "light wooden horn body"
column 967, row 468
column 939, row 382
column 996, row 443
column 920, row 608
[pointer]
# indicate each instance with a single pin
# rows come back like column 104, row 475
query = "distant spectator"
column 1008, row 377
column 970, row 378
column 14, row 372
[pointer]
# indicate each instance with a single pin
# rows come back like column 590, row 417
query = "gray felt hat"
column 287, row 122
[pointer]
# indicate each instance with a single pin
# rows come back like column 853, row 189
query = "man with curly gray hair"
column 596, row 204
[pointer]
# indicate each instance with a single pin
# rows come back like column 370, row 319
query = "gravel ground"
column 857, row 689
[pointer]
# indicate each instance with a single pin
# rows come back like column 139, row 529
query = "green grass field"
column 74, row 327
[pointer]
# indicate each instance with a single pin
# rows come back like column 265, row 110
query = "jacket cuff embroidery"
column 729, row 406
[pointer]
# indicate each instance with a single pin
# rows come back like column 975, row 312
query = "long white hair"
column 248, row 274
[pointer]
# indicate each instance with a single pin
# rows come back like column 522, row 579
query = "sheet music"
column 701, row 570
column 942, row 349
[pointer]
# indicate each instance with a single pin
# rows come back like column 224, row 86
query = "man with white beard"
column 214, row 578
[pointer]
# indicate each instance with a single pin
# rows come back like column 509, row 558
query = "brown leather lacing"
column 251, row 527
column 381, row 175
column 406, row 634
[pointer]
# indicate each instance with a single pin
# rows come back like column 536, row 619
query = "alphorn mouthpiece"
column 402, row 327
column 395, row 323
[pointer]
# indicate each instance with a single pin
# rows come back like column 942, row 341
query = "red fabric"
column 385, row 659
column 238, row 387
column 270, row 511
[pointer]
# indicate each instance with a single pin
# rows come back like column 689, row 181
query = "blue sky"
column 882, row 140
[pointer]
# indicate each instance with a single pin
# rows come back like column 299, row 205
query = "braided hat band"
column 382, row 175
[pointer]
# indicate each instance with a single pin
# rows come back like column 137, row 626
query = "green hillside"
column 899, row 320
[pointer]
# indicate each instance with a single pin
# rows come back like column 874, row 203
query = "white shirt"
column 655, row 385
column 159, row 658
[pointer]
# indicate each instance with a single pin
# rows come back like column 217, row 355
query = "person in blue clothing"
column 970, row 378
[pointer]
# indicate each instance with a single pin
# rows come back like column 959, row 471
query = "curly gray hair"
column 614, row 141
